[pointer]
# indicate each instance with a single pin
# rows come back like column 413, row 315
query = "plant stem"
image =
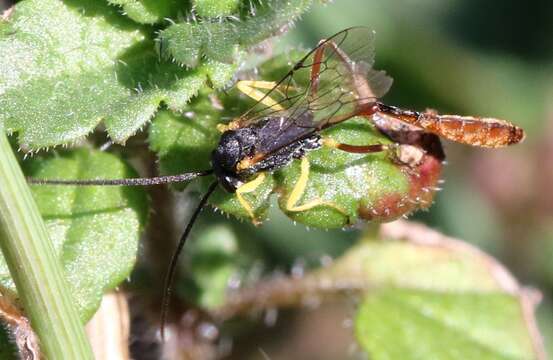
column 37, row 273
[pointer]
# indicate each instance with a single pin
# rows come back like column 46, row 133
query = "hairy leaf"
column 94, row 230
column 216, row 8
column 150, row 11
column 187, row 42
column 432, row 296
column 76, row 63
column 344, row 182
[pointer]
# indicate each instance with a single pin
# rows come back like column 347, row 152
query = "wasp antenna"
column 171, row 271
column 123, row 182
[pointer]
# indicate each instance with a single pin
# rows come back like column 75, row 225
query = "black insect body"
column 277, row 140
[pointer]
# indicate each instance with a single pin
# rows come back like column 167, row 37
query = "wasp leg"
column 357, row 149
column 316, row 68
column 318, row 60
column 366, row 98
column 402, row 154
column 250, row 88
column 299, row 190
column 247, row 188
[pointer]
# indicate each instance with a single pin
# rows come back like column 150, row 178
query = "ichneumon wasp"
column 332, row 83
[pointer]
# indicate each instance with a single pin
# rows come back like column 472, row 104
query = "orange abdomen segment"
column 471, row 130
column 485, row 132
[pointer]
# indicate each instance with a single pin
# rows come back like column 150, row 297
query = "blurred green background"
column 489, row 58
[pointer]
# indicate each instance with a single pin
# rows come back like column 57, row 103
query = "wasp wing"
column 331, row 83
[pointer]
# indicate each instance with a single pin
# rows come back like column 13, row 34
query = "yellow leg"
column 299, row 190
column 331, row 143
column 249, row 88
column 357, row 149
column 258, row 84
column 246, row 188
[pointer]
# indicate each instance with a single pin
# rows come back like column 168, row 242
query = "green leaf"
column 78, row 63
column 418, row 324
column 94, row 230
column 429, row 262
column 432, row 296
column 216, row 8
column 150, row 11
column 37, row 273
column 187, row 42
column 184, row 142
column 212, row 264
column 221, row 41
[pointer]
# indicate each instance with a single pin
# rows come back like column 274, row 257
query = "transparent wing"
column 331, row 83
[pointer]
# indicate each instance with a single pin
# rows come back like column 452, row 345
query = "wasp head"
column 233, row 146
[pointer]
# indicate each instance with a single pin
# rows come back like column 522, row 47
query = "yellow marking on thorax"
column 233, row 125
column 244, row 164
column 249, row 161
